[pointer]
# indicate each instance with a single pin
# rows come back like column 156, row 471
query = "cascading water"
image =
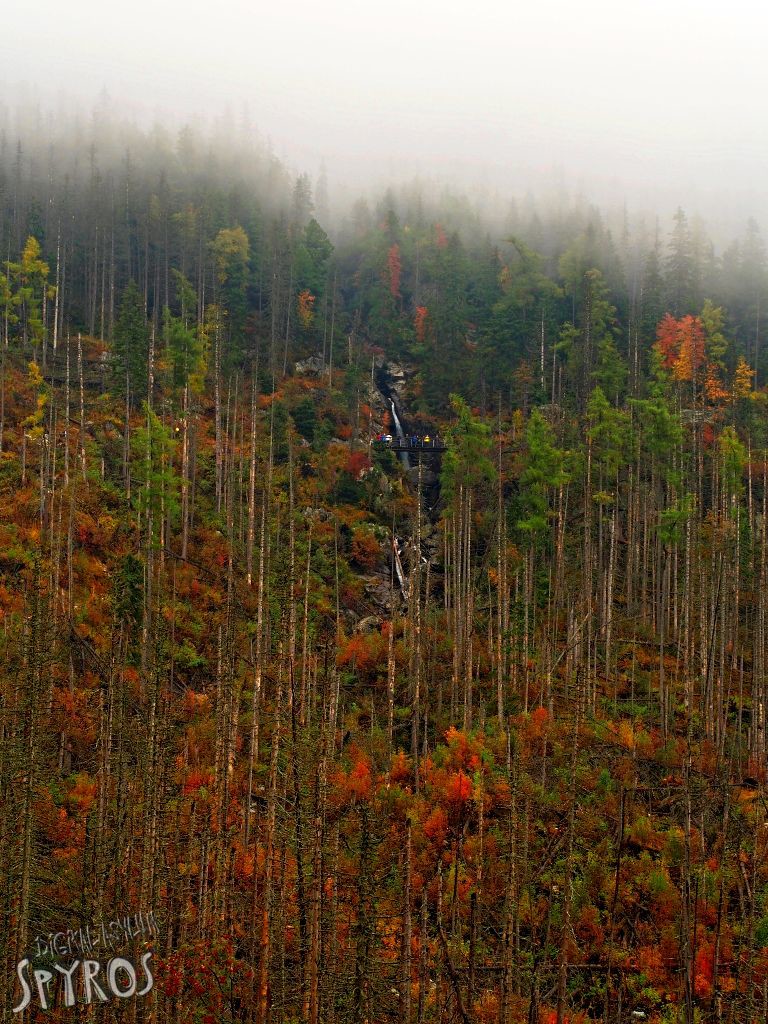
column 404, row 458
column 395, row 542
column 399, row 567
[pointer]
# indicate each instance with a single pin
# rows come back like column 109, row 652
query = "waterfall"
column 399, row 567
column 404, row 458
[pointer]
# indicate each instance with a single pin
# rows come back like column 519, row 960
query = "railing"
column 411, row 444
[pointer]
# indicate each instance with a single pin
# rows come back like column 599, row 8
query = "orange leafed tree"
column 420, row 322
column 357, row 464
column 742, row 379
column 713, row 386
column 394, row 268
column 306, row 301
column 365, row 550
column 691, row 353
column 356, row 783
column 667, row 341
column 680, row 343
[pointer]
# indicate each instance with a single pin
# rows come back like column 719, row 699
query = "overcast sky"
column 658, row 100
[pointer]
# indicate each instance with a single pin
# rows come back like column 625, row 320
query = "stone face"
column 350, row 618
column 379, row 593
column 370, row 624
column 397, row 378
column 322, row 514
column 311, row 367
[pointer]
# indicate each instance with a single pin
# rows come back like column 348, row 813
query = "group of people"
column 412, row 441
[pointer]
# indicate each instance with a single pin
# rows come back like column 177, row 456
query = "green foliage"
column 304, row 417
column 186, row 657
column 527, row 286
column 610, row 374
column 467, row 462
column 733, row 458
column 348, row 490
column 22, row 292
column 131, row 347
column 186, row 342
column 35, row 421
column 661, row 432
column 279, row 426
column 157, row 484
column 761, row 933
column 672, row 520
column 716, row 344
column 231, row 254
column 608, row 431
column 311, row 260
column 590, row 350
column 543, row 471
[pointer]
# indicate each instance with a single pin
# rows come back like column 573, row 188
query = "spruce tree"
column 131, row 347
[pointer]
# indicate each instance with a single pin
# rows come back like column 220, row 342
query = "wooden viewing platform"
column 417, row 447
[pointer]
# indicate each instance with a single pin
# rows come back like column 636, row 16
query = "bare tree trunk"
column 405, row 979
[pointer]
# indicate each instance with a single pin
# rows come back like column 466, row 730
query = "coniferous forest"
column 465, row 736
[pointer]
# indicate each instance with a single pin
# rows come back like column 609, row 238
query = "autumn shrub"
column 365, row 550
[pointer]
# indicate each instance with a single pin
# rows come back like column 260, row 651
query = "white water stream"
column 395, row 542
column 404, row 458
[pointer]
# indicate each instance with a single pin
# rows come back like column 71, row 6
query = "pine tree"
column 543, row 471
column 130, row 350
column 679, row 266
column 311, row 262
column 29, row 291
column 231, row 254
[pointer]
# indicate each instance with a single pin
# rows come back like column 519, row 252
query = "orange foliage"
column 195, row 781
column 365, row 550
column 459, row 788
column 713, row 387
column 436, row 825
column 486, row 1009
column 667, row 342
column 550, row 1017
column 195, row 703
column 680, row 344
column 649, row 961
column 463, row 753
column 626, row 734
column 704, row 970
column 420, row 322
column 588, row 928
column 361, row 652
column 691, row 357
column 82, row 794
column 400, row 772
column 306, row 301
column 537, row 723
column 357, row 464
column 742, row 379
column 244, row 864
column 357, row 783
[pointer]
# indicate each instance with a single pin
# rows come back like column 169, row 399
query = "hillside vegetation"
column 516, row 773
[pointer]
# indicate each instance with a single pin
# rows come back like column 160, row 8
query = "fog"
column 650, row 104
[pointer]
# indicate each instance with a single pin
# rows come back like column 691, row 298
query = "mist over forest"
column 147, row 199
